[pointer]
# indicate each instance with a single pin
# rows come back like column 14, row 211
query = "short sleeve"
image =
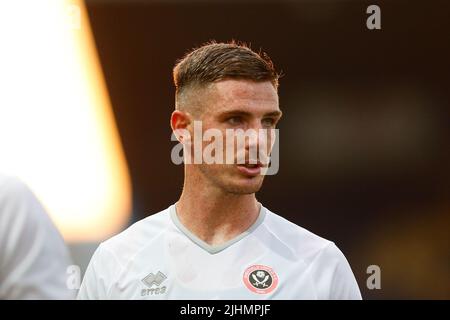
column 100, row 275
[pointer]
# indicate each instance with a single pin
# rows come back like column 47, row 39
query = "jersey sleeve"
column 334, row 276
column 33, row 256
column 99, row 276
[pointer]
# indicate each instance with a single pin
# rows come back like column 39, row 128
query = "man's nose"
column 255, row 124
column 253, row 135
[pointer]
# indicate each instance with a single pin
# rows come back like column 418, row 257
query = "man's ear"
column 179, row 121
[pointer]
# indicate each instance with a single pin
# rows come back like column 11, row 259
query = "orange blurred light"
column 57, row 130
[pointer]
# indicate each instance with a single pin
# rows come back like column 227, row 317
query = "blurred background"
column 364, row 140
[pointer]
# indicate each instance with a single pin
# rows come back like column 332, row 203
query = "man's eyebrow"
column 245, row 113
column 274, row 114
column 234, row 113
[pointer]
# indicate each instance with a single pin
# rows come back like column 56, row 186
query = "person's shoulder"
column 11, row 187
column 140, row 234
column 321, row 257
column 302, row 242
column 18, row 202
column 6, row 179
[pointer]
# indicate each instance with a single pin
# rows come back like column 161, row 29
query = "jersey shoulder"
column 19, row 207
column 125, row 245
column 304, row 244
column 12, row 189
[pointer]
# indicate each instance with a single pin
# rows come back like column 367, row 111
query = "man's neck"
column 214, row 216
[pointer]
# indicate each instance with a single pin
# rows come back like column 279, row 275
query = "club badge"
column 260, row 279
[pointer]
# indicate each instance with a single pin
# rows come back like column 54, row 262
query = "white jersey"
column 158, row 258
column 33, row 256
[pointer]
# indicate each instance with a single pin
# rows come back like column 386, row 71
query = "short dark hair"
column 214, row 61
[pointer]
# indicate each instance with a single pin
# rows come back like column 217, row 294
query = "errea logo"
column 154, row 280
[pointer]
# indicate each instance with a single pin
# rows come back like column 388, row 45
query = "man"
column 218, row 241
column 33, row 256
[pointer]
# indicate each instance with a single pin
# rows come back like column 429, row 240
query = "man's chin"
column 244, row 188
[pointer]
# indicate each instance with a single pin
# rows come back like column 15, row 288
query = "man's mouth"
column 248, row 165
column 250, row 169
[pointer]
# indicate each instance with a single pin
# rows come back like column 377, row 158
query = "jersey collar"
column 213, row 249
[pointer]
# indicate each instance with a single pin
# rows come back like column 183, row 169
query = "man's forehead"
column 243, row 94
column 245, row 89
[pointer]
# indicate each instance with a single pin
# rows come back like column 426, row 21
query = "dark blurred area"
column 364, row 138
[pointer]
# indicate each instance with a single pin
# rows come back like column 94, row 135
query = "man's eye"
column 268, row 122
column 234, row 120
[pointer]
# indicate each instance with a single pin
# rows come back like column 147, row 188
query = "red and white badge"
column 260, row 279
